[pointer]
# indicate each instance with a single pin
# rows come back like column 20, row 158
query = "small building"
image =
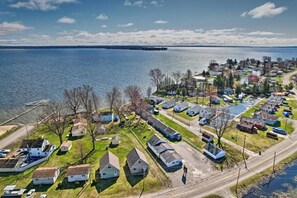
column 101, row 130
column 180, row 107
column 258, row 123
column 154, row 100
column 45, row 175
column 37, row 147
column 207, row 137
column 207, row 113
column 214, row 152
column 194, row 110
column 109, row 166
column 268, row 118
column 12, row 191
column 66, row 146
column 137, row 162
column 103, row 117
column 78, row 173
column 168, row 104
column 79, row 130
column 215, row 99
column 246, row 127
column 115, row 140
column 171, row 158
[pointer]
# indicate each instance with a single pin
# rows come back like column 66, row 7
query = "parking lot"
column 198, row 165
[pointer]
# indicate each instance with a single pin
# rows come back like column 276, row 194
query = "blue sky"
column 160, row 22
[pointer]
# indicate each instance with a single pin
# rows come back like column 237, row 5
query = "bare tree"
column 156, row 77
column 57, row 118
column 85, row 96
column 119, row 107
column 95, row 101
column 112, row 96
column 81, row 149
column 72, row 99
column 221, row 122
column 176, row 75
column 148, row 92
column 92, row 127
column 133, row 94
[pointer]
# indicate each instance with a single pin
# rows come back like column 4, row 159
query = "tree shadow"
column 39, row 187
column 61, row 152
column 133, row 179
column 103, row 184
column 65, row 185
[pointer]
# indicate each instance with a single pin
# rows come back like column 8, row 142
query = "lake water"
column 34, row 74
column 283, row 183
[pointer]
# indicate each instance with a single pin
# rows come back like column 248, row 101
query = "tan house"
column 45, row 175
column 109, row 166
column 79, row 130
column 137, row 162
column 66, row 146
column 78, row 173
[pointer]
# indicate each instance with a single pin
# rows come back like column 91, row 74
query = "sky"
column 148, row 22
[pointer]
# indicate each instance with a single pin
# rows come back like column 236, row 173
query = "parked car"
column 280, row 131
column 43, row 196
column 2, row 155
column 30, row 193
column 122, row 124
column 156, row 111
column 5, row 150
column 203, row 121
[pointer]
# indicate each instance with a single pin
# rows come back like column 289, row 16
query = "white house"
column 180, row 107
column 171, row 158
column 45, row 175
column 78, row 173
column 137, row 162
column 79, row 130
column 109, row 166
column 168, row 104
column 213, row 151
column 103, row 117
column 37, row 147
column 194, row 110
column 66, row 146
column 207, row 113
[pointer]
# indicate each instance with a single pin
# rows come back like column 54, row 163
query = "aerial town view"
column 148, row 98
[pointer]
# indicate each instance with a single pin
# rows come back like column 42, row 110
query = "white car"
column 43, row 196
column 2, row 155
column 30, row 193
column 5, row 150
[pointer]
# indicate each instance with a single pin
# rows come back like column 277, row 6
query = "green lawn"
column 251, row 110
column 125, row 185
column 184, row 115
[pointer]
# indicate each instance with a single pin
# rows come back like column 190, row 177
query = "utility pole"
column 237, row 182
column 274, row 162
column 243, row 152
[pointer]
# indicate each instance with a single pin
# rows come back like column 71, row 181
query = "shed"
column 45, row 175
column 115, row 140
column 214, row 152
column 66, row 146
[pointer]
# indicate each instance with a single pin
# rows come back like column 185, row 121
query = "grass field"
column 185, row 115
column 125, row 185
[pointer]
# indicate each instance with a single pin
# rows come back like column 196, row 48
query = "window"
column 83, row 175
column 134, row 168
column 104, row 173
column 71, row 176
column 139, row 161
column 108, row 167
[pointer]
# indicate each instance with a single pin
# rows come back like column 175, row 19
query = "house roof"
column 212, row 149
column 170, row 156
column 115, row 139
column 67, row 144
column 47, row 148
column 109, row 158
column 106, row 113
column 44, row 172
column 82, row 169
column 181, row 105
column 78, row 127
column 267, row 116
column 135, row 155
column 252, row 120
column 163, row 147
column 35, row 143
column 170, row 131
column 246, row 125
column 195, row 108
column 169, row 102
column 155, row 139
column 8, row 162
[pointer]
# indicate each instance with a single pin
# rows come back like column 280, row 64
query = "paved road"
column 228, row 178
column 17, row 135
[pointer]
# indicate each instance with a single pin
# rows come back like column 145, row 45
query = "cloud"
column 266, row 10
column 263, row 33
column 43, row 5
column 6, row 27
column 126, row 25
column 161, row 22
column 103, row 26
column 102, row 17
column 66, row 20
column 157, row 3
column 136, row 3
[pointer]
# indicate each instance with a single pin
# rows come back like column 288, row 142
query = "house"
column 79, row 130
column 103, row 117
column 246, row 127
column 79, row 120
column 215, row 99
column 180, row 107
column 101, row 130
column 267, row 108
column 194, row 110
column 207, row 137
column 168, row 104
column 228, row 91
column 258, row 123
column 253, row 78
column 78, row 173
column 172, row 134
column 268, row 118
column 115, row 140
column 66, row 146
column 155, row 143
column 214, row 152
column 171, row 158
column 45, row 175
column 154, row 100
column 207, row 112
column 109, row 166
column 12, row 191
column 137, row 162
column 37, row 147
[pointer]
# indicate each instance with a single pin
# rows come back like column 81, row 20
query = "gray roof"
column 195, row 108
column 35, row 143
column 9, row 162
column 163, row 147
column 109, row 158
column 212, row 149
column 135, row 155
column 155, row 139
column 170, row 131
column 170, row 156
column 183, row 104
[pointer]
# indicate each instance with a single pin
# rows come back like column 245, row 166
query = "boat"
column 37, row 102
